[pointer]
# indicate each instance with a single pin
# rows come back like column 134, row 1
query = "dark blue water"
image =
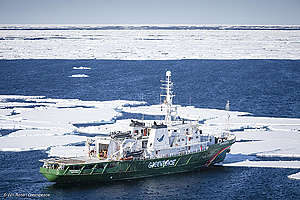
column 19, row 174
column 262, row 87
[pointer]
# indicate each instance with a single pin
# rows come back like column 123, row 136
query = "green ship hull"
column 134, row 169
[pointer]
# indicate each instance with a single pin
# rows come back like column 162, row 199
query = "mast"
column 227, row 108
column 167, row 86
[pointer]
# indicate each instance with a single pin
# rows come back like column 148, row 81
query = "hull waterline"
column 135, row 169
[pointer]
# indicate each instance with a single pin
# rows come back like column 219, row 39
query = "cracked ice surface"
column 149, row 44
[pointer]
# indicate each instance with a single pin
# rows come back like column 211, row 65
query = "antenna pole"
column 167, row 85
column 227, row 108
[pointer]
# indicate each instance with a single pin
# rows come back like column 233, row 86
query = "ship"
column 147, row 148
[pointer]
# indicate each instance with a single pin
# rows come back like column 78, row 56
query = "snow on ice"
column 150, row 44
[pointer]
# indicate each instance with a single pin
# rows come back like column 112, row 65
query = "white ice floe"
column 187, row 112
column 51, row 126
column 119, row 125
column 6, row 97
column 37, row 142
column 67, row 151
column 270, row 164
column 150, row 44
column 79, row 76
column 84, row 68
column 295, row 176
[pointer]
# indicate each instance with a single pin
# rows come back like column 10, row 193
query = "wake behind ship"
column 147, row 148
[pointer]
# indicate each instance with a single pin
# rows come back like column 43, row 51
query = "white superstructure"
column 155, row 139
